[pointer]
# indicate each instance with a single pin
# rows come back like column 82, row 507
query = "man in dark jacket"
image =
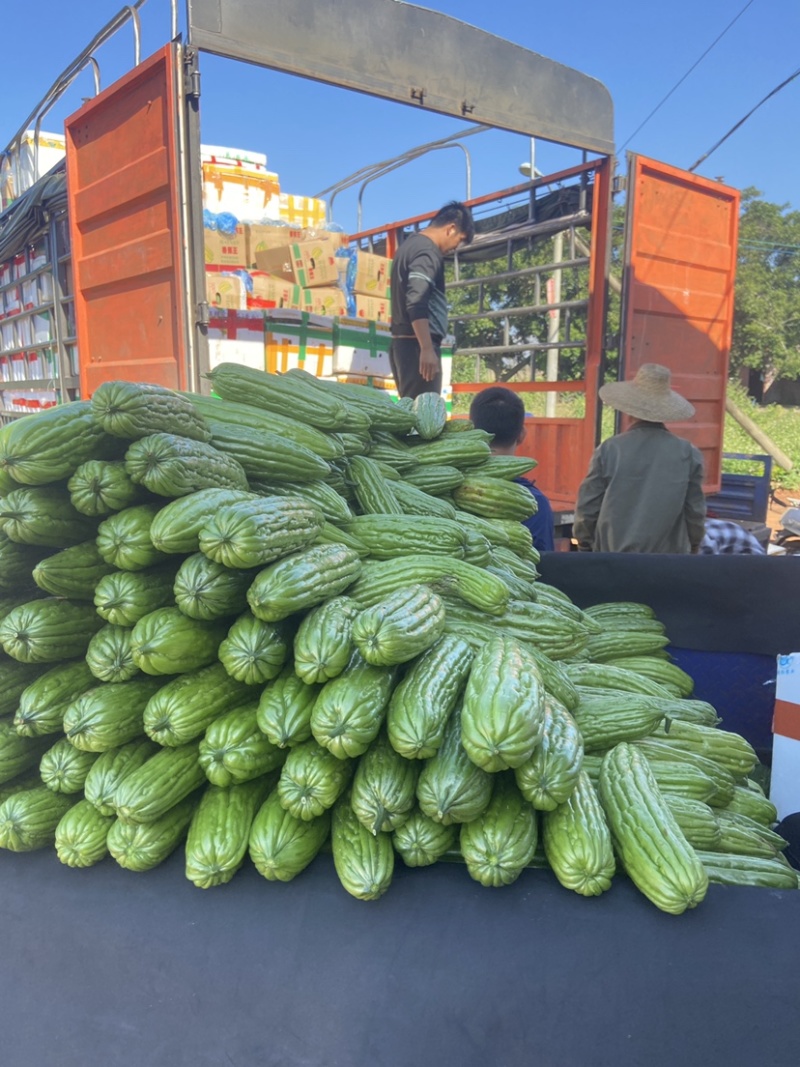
column 644, row 488
column 500, row 411
column 419, row 305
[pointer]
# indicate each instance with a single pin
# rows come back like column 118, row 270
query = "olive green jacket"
column 643, row 493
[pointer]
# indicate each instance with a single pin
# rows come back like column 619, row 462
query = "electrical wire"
column 742, row 121
column 686, row 75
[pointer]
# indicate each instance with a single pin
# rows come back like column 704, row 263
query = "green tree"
column 766, row 325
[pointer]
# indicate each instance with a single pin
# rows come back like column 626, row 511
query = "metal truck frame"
column 135, row 205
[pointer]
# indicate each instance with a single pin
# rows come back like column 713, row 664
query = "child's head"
column 499, row 411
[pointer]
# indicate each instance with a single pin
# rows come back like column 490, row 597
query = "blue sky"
column 315, row 135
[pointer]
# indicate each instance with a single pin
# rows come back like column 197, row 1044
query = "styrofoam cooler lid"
column 210, row 153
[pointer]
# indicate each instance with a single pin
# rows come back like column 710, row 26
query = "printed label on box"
column 371, row 275
column 226, row 291
column 262, row 238
column 225, row 249
column 271, row 292
column 308, row 263
column 325, row 301
column 373, row 309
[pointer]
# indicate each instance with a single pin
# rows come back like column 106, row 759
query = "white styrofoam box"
column 361, row 349
column 24, row 331
column 236, row 337
column 784, row 789
column 212, row 153
column 45, row 287
column 8, row 334
column 35, row 365
column 250, row 194
column 41, row 328
column 12, row 301
column 30, row 293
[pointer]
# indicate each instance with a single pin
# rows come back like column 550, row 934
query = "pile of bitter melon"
column 297, row 616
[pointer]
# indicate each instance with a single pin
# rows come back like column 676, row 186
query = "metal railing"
column 129, row 13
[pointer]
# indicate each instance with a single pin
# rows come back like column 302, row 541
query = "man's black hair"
column 499, row 411
column 456, row 214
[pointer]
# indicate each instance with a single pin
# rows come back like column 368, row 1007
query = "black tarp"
column 725, row 603
column 116, row 969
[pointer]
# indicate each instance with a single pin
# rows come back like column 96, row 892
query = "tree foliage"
column 766, row 330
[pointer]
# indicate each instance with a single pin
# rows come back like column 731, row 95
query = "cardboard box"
column 271, row 292
column 372, row 308
column 305, row 211
column 371, row 275
column 225, row 249
column 261, row 238
column 785, row 779
column 226, row 291
column 308, row 263
column 325, row 301
column 249, row 193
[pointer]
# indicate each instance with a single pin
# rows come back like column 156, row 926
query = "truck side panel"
column 678, row 292
column 126, row 229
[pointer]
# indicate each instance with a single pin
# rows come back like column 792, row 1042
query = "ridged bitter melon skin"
column 502, row 840
column 173, row 466
column 548, row 778
column 219, row 832
column 651, row 845
column 577, row 841
column 364, row 861
column 503, row 714
column 132, row 410
column 234, row 749
column 281, row 845
column 422, row 703
column 400, row 627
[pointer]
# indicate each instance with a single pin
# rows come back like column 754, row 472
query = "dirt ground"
column 780, row 501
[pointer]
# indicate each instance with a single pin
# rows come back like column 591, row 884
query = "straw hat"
column 648, row 396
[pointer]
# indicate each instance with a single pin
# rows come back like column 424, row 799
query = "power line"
column 742, row 121
column 686, row 75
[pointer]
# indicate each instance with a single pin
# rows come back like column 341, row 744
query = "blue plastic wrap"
column 227, row 223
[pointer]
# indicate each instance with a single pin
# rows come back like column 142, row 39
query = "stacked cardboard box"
column 368, row 279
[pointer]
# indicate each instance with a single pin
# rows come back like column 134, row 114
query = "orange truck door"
column 126, row 229
column 677, row 300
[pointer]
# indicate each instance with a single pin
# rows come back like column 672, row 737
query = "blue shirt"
column 540, row 524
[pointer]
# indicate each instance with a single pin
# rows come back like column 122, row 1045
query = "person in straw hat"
column 643, row 491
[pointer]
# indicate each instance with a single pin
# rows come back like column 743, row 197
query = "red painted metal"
column 125, row 223
column 488, row 198
column 562, row 447
column 678, row 292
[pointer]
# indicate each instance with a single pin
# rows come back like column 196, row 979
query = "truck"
column 442, row 971
column 121, row 235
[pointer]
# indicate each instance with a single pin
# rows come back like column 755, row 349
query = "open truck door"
column 131, row 269
column 677, row 295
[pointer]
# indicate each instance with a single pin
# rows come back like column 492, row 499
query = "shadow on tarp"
column 740, row 685
column 727, row 617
